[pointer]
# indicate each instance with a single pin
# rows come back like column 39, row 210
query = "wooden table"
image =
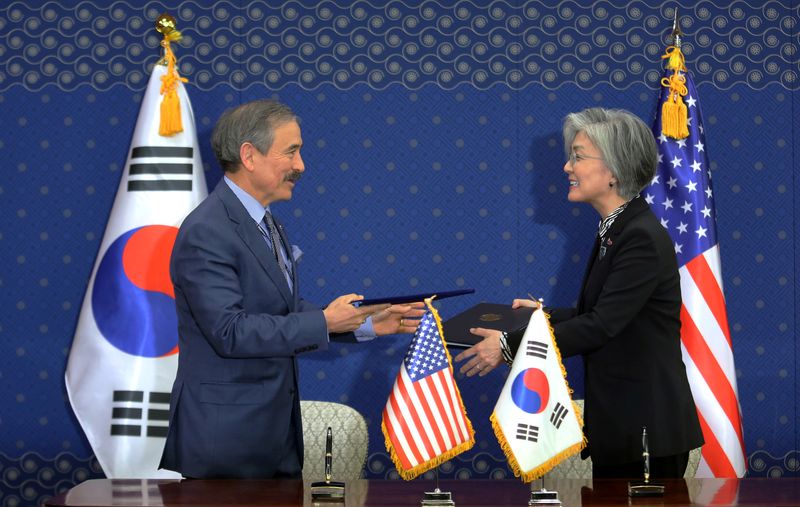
column 466, row 493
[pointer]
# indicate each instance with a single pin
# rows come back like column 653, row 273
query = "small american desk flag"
column 535, row 420
column 681, row 196
column 424, row 421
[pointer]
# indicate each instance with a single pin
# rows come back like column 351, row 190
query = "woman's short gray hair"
column 254, row 122
column 625, row 142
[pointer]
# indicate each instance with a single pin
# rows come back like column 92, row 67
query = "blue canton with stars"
column 426, row 354
column 680, row 194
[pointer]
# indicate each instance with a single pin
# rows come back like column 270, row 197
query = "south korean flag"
column 534, row 418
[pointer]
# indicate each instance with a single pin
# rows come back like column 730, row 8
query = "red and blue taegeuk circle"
column 530, row 390
column 132, row 298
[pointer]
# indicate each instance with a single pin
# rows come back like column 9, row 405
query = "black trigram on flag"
column 537, row 349
column 161, row 168
column 558, row 415
column 527, row 432
column 131, row 416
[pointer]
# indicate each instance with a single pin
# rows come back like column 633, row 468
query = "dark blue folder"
column 411, row 298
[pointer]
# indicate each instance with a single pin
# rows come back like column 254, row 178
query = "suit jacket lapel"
column 248, row 231
column 589, row 266
column 635, row 207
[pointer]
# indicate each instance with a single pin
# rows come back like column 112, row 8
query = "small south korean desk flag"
column 534, row 419
column 125, row 352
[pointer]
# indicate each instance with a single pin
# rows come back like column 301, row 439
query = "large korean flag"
column 124, row 355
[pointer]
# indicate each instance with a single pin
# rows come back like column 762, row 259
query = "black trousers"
column 663, row 467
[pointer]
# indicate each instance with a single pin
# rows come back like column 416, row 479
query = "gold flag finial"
column 171, row 123
column 674, row 115
column 165, row 24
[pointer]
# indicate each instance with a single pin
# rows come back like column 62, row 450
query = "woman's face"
column 589, row 179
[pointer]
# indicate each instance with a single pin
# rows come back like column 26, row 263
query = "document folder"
column 412, row 298
column 486, row 315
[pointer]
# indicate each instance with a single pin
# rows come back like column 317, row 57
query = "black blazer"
column 627, row 328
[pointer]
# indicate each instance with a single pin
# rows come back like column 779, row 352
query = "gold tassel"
column 674, row 115
column 171, row 122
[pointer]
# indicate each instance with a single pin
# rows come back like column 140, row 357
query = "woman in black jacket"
column 627, row 322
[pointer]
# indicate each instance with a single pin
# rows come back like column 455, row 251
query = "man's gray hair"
column 627, row 145
column 254, row 122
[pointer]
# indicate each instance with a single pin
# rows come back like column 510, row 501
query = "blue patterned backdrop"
column 434, row 160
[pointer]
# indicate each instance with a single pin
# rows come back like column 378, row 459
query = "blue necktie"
column 275, row 239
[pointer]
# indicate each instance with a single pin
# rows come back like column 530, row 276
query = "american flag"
column 681, row 196
column 424, row 421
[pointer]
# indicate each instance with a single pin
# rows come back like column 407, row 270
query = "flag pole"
column 676, row 31
column 544, row 497
column 437, row 497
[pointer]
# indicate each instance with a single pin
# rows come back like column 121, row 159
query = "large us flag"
column 424, row 421
column 681, row 196
column 125, row 353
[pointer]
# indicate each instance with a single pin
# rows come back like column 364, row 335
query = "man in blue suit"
column 235, row 410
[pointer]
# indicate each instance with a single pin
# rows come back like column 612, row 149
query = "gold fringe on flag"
column 171, row 123
column 450, row 454
column 555, row 459
column 674, row 115
column 413, row 473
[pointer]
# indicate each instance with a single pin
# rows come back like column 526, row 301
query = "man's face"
column 274, row 173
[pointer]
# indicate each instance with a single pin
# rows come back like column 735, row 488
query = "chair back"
column 694, row 462
column 573, row 467
column 350, row 440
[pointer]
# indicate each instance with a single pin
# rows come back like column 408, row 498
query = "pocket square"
column 296, row 253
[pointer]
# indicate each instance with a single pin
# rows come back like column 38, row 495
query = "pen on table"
column 328, row 454
column 645, row 454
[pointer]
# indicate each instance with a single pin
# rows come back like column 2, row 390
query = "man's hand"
column 484, row 356
column 342, row 317
column 398, row 319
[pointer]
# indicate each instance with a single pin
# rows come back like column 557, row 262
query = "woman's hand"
column 484, row 356
column 528, row 303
